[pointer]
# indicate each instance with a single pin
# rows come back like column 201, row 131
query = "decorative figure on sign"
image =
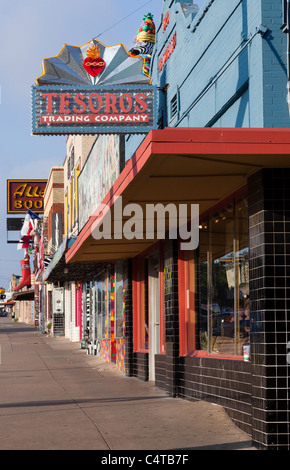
column 144, row 41
column 93, row 63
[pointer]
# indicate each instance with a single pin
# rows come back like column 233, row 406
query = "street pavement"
column 54, row 396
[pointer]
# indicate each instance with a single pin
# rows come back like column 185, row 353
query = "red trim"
column 229, row 357
column 138, row 303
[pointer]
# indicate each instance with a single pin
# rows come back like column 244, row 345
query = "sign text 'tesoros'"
column 88, row 109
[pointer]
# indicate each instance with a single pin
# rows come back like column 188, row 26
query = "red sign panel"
column 25, row 194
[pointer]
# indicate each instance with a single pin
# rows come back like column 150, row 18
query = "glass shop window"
column 217, row 284
column 202, row 260
column 119, row 301
column 242, row 269
column 101, row 305
column 221, row 311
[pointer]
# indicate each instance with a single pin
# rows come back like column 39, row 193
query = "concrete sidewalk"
column 53, row 396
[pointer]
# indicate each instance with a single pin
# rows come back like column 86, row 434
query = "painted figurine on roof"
column 145, row 40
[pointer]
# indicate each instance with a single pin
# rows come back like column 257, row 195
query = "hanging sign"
column 25, row 194
column 92, row 110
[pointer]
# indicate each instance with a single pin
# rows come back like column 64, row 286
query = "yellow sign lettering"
column 19, row 191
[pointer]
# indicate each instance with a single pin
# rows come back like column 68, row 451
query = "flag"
column 24, row 243
column 33, row 219
column 26, row 225
column 30, row 223
column 33, row 215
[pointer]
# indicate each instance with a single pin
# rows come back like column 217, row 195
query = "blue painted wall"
column 228, row 68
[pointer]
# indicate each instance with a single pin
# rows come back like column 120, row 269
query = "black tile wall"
column 171, row 314
column 269, row 236
column 141, row 366
column 224, row 382
column 129, row 356
column 171, row 292
column 161, row 371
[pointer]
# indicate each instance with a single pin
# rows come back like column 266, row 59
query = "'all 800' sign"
column 25, row 194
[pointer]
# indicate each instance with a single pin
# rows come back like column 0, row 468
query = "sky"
column 31, row 30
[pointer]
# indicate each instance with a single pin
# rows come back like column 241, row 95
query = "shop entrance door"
column 153, row 302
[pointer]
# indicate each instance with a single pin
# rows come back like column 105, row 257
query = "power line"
column 123, row 19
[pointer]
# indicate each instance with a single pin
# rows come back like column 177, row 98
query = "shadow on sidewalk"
column 227, row 446
column 75, row 401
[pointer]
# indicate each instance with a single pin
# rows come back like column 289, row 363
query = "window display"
column 217, row 284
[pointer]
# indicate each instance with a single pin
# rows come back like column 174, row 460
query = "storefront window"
column 242, row 264
column 221, row 312
column 216, row 284
column 100, row 305
column 202, row 288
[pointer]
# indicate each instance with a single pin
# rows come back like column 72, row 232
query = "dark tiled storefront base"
column 226, row 383
column 140, row 366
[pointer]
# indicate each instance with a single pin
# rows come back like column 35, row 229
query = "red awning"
column 183, row 166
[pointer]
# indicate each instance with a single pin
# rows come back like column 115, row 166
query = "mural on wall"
column 120, row 342
column 101, row 170
column 120, row 354
column 112, row 316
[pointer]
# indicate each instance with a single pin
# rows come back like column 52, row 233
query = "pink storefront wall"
column 78, row 309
